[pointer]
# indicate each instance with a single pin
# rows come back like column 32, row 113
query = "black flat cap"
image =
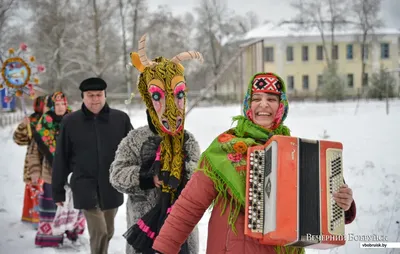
column 93, row 84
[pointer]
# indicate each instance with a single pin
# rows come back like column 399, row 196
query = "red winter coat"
column 194, row 200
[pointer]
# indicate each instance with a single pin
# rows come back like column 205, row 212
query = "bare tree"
column 366, row 14
column 97, row 47
column 326, row 16
column 167, row 32
column 247, row 22
column 102, row 14
column 131, row 10
column 124, row 47
column 211, row 22
column 138, row 15
column 96, row 26
column 216, row 25
column 6, row 7
column 75, row 40
column 54, row 37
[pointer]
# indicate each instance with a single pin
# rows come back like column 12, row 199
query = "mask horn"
column 139, row 59
column 135, row 61
column 187, row 56
column 142, row 53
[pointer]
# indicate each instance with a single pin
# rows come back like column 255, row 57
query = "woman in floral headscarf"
column 22, row 137
column 220, row 180
column 44, row 149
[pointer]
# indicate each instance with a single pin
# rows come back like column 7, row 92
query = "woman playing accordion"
column 220, row 180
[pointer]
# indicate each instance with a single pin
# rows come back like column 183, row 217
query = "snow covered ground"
column 371, row 140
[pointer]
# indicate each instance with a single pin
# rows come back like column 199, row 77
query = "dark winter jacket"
column 86, row 147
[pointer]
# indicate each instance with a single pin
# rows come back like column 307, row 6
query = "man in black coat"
column 86, row 148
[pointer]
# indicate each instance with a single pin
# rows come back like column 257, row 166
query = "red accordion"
column 289, row 187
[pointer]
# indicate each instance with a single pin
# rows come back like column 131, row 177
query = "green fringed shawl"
column 225, row 160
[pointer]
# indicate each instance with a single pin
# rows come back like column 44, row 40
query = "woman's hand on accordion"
column 344, row 197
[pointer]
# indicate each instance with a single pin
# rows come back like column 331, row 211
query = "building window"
column 320, row 53
column 304, row 53
column 290, row 81
column 350, row 80
column 385, row 50
column 269, row 54
column 365, row 79
column 289, row 53
column 349, row 51
column 320, row 81
column 305, row 82
column 364, row 52
column 335, row 52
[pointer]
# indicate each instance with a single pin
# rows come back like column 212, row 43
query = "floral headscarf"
column 38, row 106
column 48, row 128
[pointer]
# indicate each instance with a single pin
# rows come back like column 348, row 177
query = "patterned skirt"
column 47, row 212
column 30, row 209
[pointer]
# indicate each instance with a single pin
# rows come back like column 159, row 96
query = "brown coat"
column 22, row 138
column 189, row 209
column 38, row 164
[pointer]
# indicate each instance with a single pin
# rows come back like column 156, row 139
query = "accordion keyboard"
column 256, row 200
column 334, row 173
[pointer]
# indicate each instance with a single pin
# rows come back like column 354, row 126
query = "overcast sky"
column 274, row 9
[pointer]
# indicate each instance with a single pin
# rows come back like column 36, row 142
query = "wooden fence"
column 10, row 118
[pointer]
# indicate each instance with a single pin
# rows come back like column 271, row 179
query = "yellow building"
column 300, row 57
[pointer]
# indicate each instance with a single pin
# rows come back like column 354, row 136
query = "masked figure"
column 174, row 157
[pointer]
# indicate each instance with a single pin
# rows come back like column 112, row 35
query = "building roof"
column 271, row 30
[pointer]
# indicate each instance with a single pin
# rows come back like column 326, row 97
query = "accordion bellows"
column 289, row 187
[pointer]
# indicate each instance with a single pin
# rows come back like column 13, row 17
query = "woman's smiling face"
column 263, row 108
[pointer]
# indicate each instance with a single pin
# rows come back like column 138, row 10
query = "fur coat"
column 124, row 176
